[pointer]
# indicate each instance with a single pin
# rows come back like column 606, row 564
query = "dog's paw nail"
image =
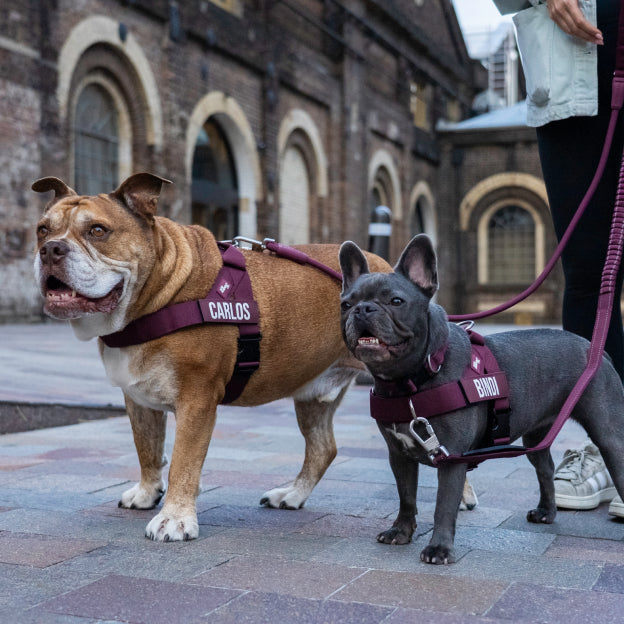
column 264, row 500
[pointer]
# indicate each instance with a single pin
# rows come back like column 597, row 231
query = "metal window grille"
column 511, row 246
column 96, row 142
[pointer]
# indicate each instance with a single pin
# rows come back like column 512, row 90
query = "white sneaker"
column 582, row 480
column 616, row 508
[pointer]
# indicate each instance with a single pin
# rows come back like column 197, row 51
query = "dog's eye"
column 345, row 305
column 396, row 301
column 98, row 231
column 42, row 231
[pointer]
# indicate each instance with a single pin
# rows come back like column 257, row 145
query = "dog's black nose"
column 53, row 251
column 366, row 307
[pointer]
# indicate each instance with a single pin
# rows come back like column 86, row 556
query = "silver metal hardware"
column 242, row 241
column 430, row 366
column 431, row 445
column 466, row 325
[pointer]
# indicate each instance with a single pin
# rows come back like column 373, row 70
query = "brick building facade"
column 285, row 118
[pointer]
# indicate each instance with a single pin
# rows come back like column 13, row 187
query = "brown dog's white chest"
column 154, row 386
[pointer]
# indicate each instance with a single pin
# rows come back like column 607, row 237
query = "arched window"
column 511, row 246
column 215, row 187
column 294, row 197
column 418, row 217
column 96, row 141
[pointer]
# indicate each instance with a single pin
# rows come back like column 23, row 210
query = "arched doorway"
column 214, row 189
column 294, row 198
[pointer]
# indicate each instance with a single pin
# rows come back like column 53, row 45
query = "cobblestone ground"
column 68, row 554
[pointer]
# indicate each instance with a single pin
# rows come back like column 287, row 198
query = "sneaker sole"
column 616, row 509
column 586, row 502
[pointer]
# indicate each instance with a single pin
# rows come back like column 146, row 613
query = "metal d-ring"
column 466, row 325
column 430, row 367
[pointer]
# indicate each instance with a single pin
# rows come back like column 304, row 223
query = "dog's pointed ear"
column 43, row 185
column 352, row 264
column 418, row 264
column 140, row 193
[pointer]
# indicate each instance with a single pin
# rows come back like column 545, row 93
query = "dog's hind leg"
column 148, row 428
column 469, row 497
column 315, row 418
column 542, row 461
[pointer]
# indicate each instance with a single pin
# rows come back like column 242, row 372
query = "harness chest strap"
column 230, row 301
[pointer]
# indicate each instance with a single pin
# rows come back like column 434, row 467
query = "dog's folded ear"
column 418, row 264
column 140, row 193
column 352, row 264
column 43, row 185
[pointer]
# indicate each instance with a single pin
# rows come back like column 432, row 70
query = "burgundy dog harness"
column 482, row 381
column 230, row 301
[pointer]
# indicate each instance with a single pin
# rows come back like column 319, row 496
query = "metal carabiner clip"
column 431, row 445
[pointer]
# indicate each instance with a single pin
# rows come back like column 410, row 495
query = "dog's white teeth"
column 74, row 292
column 368, row 341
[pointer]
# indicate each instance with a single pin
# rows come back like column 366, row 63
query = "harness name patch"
column 486, row 387
column 227, row 311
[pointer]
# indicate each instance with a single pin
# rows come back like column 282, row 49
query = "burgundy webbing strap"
column 230, row 300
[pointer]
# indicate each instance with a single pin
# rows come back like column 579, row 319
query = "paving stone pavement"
column 69, row 555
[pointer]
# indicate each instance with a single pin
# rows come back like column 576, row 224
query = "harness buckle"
column 431, row 445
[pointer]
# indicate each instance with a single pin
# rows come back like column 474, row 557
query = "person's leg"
column 569, row 152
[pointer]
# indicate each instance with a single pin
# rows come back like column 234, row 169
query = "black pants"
column 569, row 153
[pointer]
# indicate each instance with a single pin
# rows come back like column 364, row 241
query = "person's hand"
column 569, row 17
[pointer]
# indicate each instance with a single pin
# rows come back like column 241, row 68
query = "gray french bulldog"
column 390, row 323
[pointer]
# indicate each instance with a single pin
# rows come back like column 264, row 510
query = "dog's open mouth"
column 64, row 302
column 374, row 348
column 371, row 348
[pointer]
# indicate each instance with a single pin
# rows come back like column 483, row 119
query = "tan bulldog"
column 103, row 261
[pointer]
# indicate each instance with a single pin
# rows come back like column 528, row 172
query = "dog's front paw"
column 395, row 536
column 439, row 555
column 167, row 527
column 284, row 498
column 541, row 516
column 139, row 497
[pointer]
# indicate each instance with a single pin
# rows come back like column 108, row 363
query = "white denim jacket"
column 560, row 70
